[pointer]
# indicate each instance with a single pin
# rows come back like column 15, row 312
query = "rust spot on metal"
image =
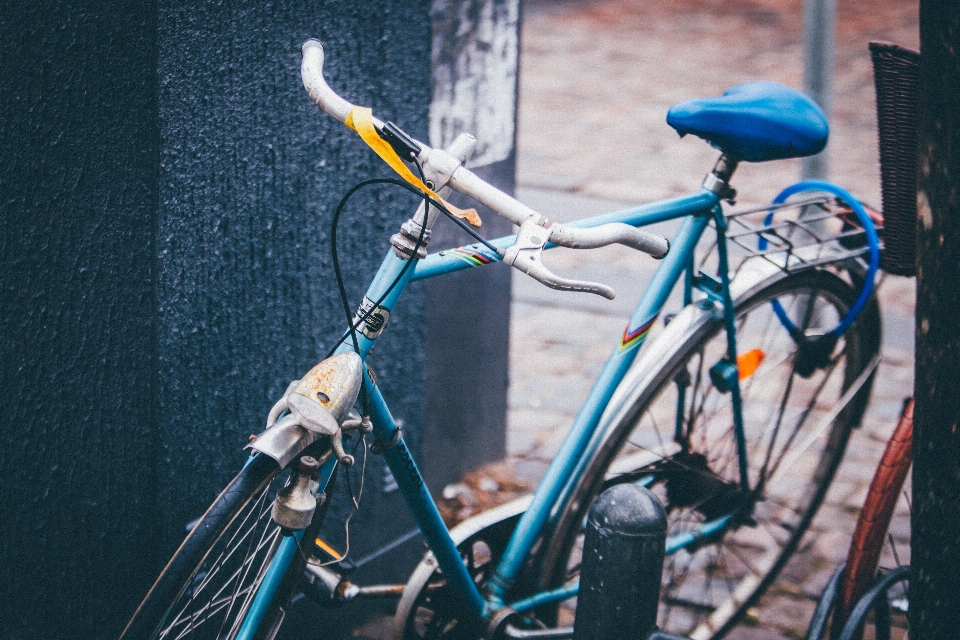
column 335, row 383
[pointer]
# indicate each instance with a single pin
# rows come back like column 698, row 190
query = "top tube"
column 475, row 255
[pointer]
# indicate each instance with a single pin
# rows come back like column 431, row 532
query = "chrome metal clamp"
column 418, row 227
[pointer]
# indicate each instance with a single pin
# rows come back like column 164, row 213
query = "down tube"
column 421, row 504
column 402, row 466
column 574, row 448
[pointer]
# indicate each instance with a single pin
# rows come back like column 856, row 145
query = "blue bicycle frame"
column 698, row 210
column 581, row 443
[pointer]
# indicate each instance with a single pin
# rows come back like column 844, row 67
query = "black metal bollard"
column 622, row 565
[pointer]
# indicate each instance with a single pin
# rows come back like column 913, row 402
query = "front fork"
column 288, row 546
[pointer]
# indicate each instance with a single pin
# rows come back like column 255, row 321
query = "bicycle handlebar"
column 311, row 72
column 536, row 230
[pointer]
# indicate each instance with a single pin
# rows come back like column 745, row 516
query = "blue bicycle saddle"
column 755, row 121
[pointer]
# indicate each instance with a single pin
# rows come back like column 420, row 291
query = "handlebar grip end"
column 311, row 72
column 666, row 250
column 310, row 44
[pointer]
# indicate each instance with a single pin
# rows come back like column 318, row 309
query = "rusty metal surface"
column 335, row 382
column 318, row 403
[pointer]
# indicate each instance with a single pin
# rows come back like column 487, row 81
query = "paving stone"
column 832, row 545
column 817, row 581
column 529, row 470
column 855, row 499
column 788, row 614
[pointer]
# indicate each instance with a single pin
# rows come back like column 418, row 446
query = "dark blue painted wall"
column 78, row 199
column 165, row 198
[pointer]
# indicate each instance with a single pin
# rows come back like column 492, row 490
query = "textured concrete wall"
column 78, row 420
column 476, row 46
column 166, row 193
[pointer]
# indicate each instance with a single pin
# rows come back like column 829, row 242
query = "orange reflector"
column 748, row 362
column 336, row 555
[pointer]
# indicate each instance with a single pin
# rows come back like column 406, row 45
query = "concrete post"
column 623, row 555
column 476, row 47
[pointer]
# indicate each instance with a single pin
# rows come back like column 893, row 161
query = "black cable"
column 362, row 315
column 463, row 225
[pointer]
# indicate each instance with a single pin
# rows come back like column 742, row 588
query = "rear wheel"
column 679, row 441
column 206, row 589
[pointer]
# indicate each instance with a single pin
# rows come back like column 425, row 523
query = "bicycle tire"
column 873, row 523
column 240, row 516
column 714, row 615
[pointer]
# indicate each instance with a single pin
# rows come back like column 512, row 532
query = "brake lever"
column 526, row 255
column 536, row 231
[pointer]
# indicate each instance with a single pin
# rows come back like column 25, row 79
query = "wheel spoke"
column 801, row 422
column 210, row 584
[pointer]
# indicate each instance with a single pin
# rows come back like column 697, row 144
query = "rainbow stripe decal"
column 633, row 339
column 472, row 255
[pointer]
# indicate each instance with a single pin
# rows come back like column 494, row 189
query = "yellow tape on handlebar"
column 360, row 119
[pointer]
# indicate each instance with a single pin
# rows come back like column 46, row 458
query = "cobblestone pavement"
column 597, row 77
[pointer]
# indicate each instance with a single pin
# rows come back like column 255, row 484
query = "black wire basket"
column 895, row 72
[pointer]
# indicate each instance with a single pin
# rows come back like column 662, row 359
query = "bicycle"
column 741, row 443
column 875, row 577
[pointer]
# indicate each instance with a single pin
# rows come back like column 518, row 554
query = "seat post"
column 718, row 180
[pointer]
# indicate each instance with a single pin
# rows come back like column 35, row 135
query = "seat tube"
column 729, row 321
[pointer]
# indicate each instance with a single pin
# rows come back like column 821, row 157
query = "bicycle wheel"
column 676, row 436
column 875, row 544
column 208, row 585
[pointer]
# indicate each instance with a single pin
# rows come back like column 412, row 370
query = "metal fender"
column 751, row 277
